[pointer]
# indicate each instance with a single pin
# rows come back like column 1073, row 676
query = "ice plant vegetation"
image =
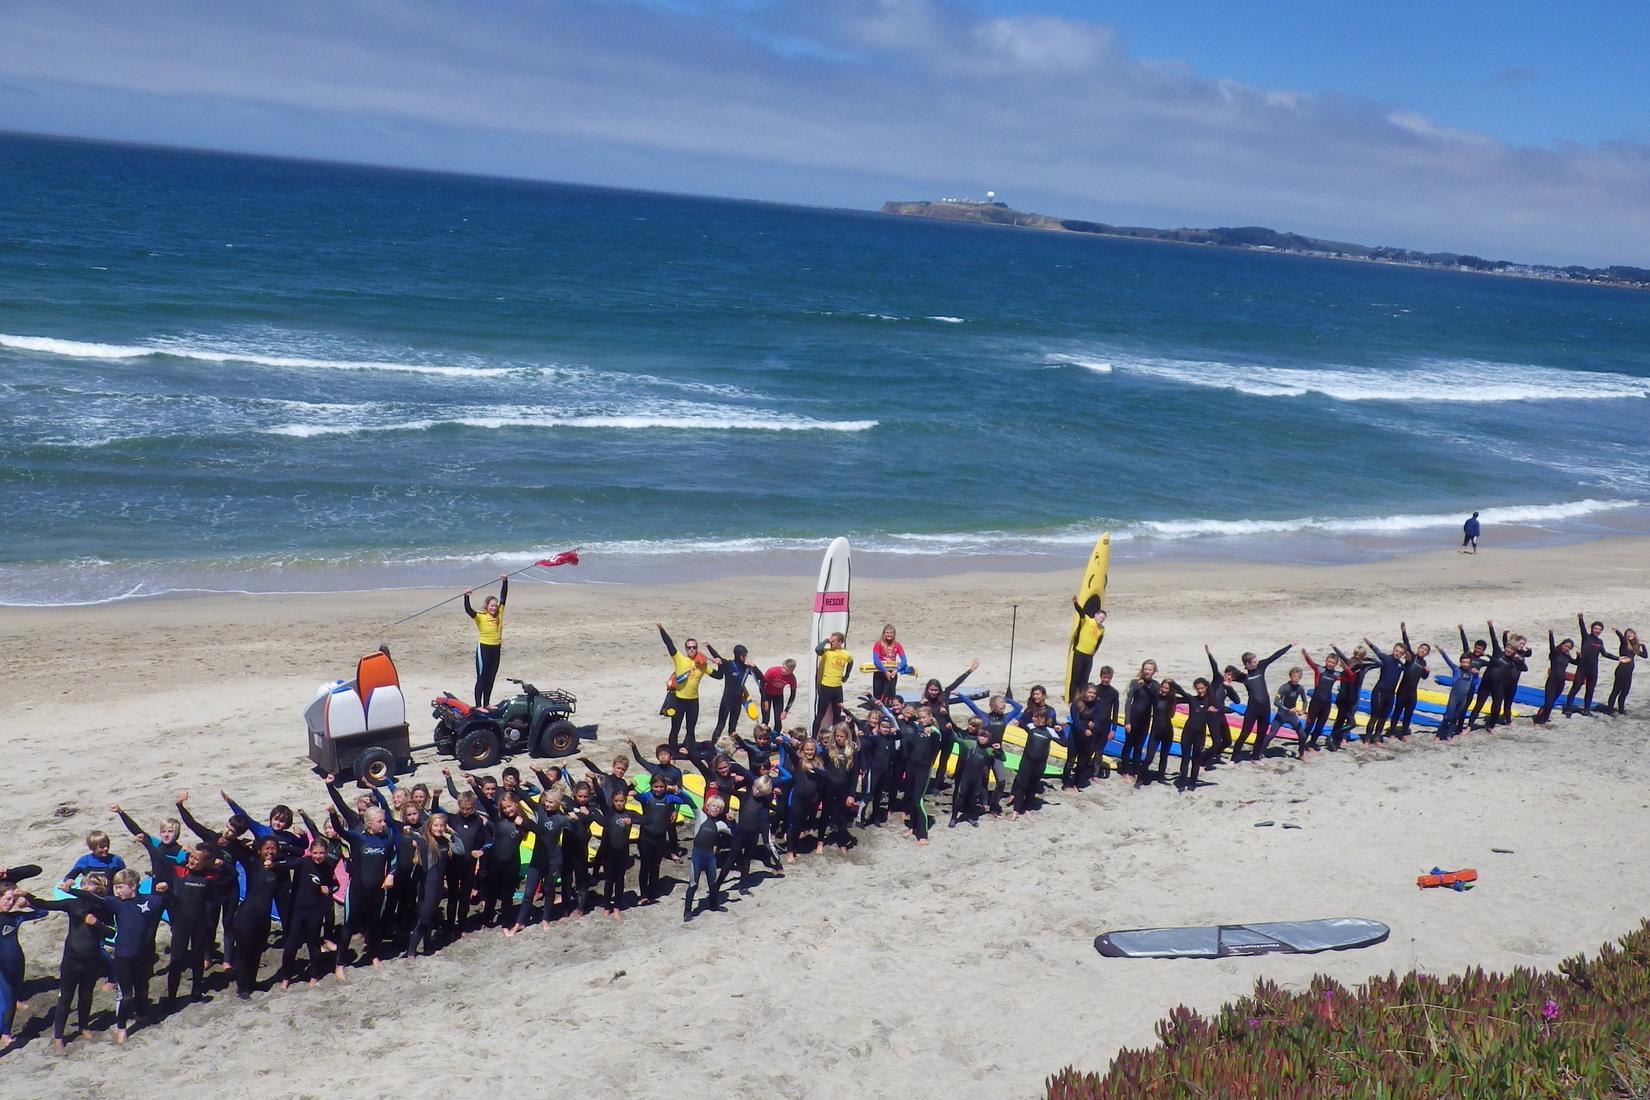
column 1583, row 1030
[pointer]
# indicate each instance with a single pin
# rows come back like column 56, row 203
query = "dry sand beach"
column 964, row 969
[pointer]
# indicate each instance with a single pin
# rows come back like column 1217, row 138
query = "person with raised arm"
column 489, row 623
column 1632, row 650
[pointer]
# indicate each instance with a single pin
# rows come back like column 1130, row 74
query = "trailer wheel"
column 560, row 738
column 375, row 766
column 478, row 749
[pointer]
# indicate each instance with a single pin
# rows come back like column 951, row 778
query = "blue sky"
column 1511, row 129
column 1525, row 72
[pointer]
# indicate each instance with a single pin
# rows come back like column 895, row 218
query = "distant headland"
column 1261, row 239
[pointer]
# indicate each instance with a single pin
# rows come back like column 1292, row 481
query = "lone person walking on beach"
column 489, row 638
column 1469, row 531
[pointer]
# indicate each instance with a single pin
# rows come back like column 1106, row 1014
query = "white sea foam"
column 1059, row 541
column 944, row 320
column 1087, row 362
column 80, row 349
column 728, row 420
column 1430, row 380
column 1514, row 515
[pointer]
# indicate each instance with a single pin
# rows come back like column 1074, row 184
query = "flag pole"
column 546, row 562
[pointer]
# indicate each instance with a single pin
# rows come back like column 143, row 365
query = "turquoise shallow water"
column 221, row 371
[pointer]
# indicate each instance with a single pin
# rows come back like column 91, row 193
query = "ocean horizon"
column 229, row 373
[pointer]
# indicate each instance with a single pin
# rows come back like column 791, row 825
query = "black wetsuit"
column 876, row 754
column 748, row 833
column 613, row 853
column 1192, row 733
column 837, row 785
column 263, row 886
column 557, row 839
column 1325, row 685
column 1162, row 731
column 429, row 872
column 227, row 899
column 1517, row 657
column 973, row 765
column 471, row 833
column 1257, row 711
column 84, row 963
column 1287, row 705
column 1137, row 720
column 1091, row 726
column 1498, row 674
column 1028, row 781
column 657, row 821
column 311, row 907
column 918, row 745
column 1383, row 694
column 1218, row 728
column 732, row 672
column 1352, row 690
column 503, row 871
column 192, row 910
column 136, row 921
column 1623, row 683
column 672, row 775
column 1591, row 648
column 1558, row 662
column 940, row 706
column 373, row 857
column 575, row 860
column 1409, row 691
column 487, row 656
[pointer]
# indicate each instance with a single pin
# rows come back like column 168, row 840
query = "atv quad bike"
column 537, row 723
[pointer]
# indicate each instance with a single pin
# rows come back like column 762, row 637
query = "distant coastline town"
column 991, row 211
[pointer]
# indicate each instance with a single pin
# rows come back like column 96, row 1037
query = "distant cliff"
column 1262, row 239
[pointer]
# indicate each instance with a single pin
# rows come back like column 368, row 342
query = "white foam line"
column 663, row 423
column 79, row 349
column 1450, row 381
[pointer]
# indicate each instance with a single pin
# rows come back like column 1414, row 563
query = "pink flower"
column 1549, row 1011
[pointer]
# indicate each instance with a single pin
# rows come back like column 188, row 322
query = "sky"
column 1511, row 130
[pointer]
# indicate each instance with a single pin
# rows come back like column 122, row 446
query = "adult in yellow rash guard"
column 1091, row 631
column 835, row 666
column 682, row 691
column 489, row 638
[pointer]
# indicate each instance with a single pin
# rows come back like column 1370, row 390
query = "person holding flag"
column 489, row 637
column 489, row 622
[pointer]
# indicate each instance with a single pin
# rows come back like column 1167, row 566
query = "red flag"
column 566, row 557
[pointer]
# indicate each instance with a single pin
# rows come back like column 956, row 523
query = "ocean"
column 227, row 373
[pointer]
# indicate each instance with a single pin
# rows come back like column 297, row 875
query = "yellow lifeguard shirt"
column 695, row 671
column 490, row 630
column 833, row 667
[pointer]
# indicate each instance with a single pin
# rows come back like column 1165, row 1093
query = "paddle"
column 1013, row 622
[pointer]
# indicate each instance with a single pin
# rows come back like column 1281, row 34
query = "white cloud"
column 915, row 90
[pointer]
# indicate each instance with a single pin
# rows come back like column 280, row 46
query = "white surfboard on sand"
column 830, row 614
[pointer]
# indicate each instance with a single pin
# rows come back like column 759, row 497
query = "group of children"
column 397, row 871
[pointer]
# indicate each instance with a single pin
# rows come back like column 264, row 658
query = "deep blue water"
column 271, row 370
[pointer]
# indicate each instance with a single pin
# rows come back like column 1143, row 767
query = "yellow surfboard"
column 1093, row 587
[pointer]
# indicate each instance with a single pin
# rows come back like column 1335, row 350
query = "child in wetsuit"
column 712, row 828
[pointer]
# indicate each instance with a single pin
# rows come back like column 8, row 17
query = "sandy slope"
column 962, row 969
